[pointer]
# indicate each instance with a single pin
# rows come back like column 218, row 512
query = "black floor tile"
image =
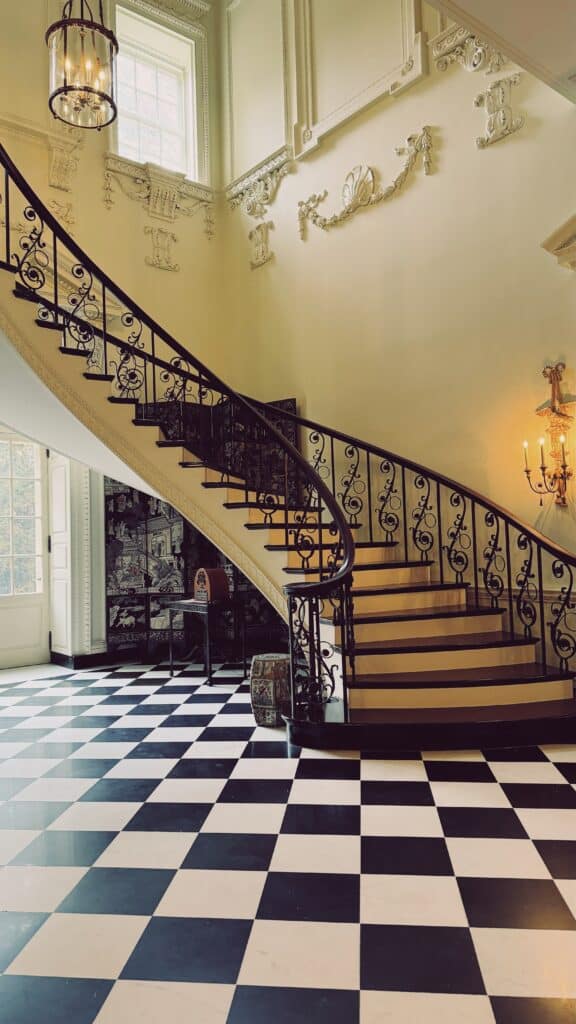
column 237, row 709
column 65, row 849
column 121, row 790
column 202, row 950
column 516, row 1010
column 150, row 709
column 459, row 771
column 24, row 1000
column 169, row 818
column 540, row 795
column 401, row 958
column 9, row 787
column 206, row 698
column 270, row 748
column 81, row 768
column 514, row 903
column 398, row 793
column 170, row 750
column 514, row 754
column 223, row 734
column 122, row 699
column 261, row 1005
column 568, row 770
column 202, row 768
column 256, row 791
column 187, row 721
column 15, row 932
column 30, row 814
column 298, row 896
column 328, row 768
column 481, row 822
column 118, row 891
column 231, row 852
column 391, row 755
column 321, row 819
column 405, row 855
column 559, row 855
column 121, row 736
column 95, row 721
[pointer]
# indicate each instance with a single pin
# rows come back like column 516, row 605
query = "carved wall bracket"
column 165, row 195
column 562, row 244
column 260, row 239
column 64, row 150
column 255, row 191
column 360, row 188
column 458, row 45
column 497, row 102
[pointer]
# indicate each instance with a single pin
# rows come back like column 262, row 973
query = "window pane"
column 169, row 87
column 127, row 98
column 4, row 458
column 4, row 536
column 145, row 77
column 147, row 107
column 150, row 148
column 24, row 497
column 125, row 69
column 172, row 151
column 168, row 115
column 24, row 460
column 24, row 536
column 5, row 576
column 24, row 575
column 5, row 498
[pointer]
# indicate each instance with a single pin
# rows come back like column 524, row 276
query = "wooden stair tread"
column 448, row 611
column 295, row 526
column 489, row 713
column 488, row 675
column 403, row 588
column 457, row 642
column 406, row 564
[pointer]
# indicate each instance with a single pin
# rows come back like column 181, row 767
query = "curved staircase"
column 420, row 613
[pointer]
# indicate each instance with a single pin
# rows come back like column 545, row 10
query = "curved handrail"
column 545, row 542
column 301, row 589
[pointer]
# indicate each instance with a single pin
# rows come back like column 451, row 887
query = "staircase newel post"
column 292, row 645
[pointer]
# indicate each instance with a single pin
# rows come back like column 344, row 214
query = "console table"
column 207, row 610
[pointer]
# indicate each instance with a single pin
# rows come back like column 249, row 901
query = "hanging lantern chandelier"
column 82, row 53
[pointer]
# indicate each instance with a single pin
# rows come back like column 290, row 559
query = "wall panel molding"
column 458, row 45
column 409, row 67
column 255, row 190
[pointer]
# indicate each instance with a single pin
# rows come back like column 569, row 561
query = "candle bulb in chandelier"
column 541, row 443
column 563, row 443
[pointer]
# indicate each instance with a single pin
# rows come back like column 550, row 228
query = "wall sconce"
column 554, row 478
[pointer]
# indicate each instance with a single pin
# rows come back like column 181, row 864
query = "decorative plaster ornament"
column 360, row 189
column 255, row 191
column 458, row 45
column 501, row 121
column 162, row 242
column 260, row 238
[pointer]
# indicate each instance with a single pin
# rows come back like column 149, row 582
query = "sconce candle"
column 525, row 447
column 541, row 443
column 552, row 478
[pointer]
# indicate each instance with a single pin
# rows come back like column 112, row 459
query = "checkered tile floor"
column 168, row 862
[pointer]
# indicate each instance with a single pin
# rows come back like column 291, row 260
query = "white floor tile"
column 496, row 858
column 527, row 962
column 264, row 819
column 39, row 889
column 411, row 900
column 218, row 749
column 325, row 791
column 548, row 823
column 526, row 772
column 142, row 768
column 12, row 841
column 80, row 946
column 265, row 768
column 225, row 894
column 27, row 768
column 147, row 850
column 393, row 771
column 469, row 794
column 187, row 791
column 421, row 1007
column 322, row 854
column 107, row 751
column 61, row 790
column 185, row 735
column 561, row 752
column 96, row 816
column 302, row 954
column 390, row 820
column 567, row 887
column 158, row 1002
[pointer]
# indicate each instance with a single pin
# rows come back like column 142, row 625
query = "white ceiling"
column 539, row 35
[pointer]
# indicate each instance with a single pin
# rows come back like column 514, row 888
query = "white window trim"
column 198, row 35
column 23, row 599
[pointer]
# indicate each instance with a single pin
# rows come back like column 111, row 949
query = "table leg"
column 207, row 651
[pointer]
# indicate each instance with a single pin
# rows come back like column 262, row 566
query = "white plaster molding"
column 411, row 67
column 64, row 213
column 98, row 642
column 175, row 11
column 458, row 45
column 497, row 102
column 260, row 239
column 562, row 244
column 360, row 188
column 80, row 561
column 162, row 242
column 255, row 190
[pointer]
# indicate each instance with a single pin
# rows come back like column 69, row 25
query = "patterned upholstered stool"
column 270, row 688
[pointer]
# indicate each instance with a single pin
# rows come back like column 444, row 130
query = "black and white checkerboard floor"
column 168, row 862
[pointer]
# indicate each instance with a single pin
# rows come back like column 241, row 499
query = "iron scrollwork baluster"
column 128, row 370
column 562, row 629
column 83, row 311
column 424, row 518
column 527, row 598
column 389, row 502
column 460, row 542
column 353, row 487
column 34, row 261
column 495, row 565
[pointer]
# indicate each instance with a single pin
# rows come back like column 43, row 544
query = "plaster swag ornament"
column 459, row 45
column 260, row 238
column 360, row 189
column 497, row 102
